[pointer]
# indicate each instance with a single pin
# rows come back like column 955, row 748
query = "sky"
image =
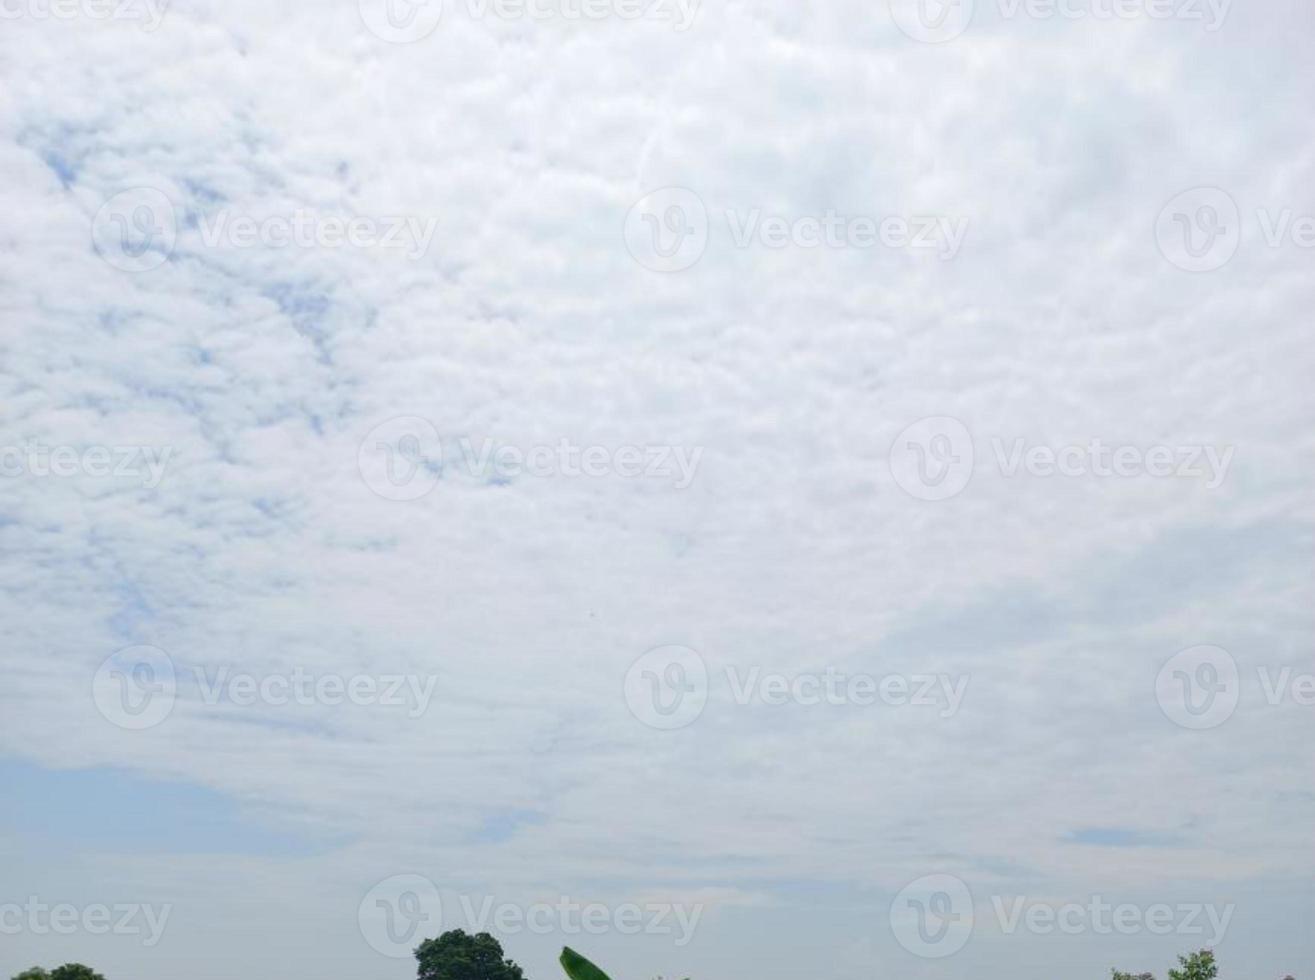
column 743, row 490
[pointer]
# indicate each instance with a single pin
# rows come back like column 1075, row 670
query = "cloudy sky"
column 825, row 489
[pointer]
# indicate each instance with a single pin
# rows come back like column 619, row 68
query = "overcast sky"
column 825, row 483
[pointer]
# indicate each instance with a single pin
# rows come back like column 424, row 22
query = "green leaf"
column 579, row 968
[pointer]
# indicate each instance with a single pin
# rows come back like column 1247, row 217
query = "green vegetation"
column 69, row 971
column 579, row 968
column 1195, row 966
column 456, row 955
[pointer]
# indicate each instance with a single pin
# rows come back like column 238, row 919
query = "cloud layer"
column 256, row 373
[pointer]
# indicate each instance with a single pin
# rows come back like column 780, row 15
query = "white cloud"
column 528, row 322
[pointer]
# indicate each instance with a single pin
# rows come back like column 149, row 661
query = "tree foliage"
column 457, row 955
column 69, row 971
column 1193, row 966
column 1196, row 966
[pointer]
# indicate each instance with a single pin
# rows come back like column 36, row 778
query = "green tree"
column 1133, row 976
column 456, row 955
column 69, row 971
column 74, row 971
column 1196, row 966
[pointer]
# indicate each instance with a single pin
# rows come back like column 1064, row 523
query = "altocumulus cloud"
column 515, row 148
